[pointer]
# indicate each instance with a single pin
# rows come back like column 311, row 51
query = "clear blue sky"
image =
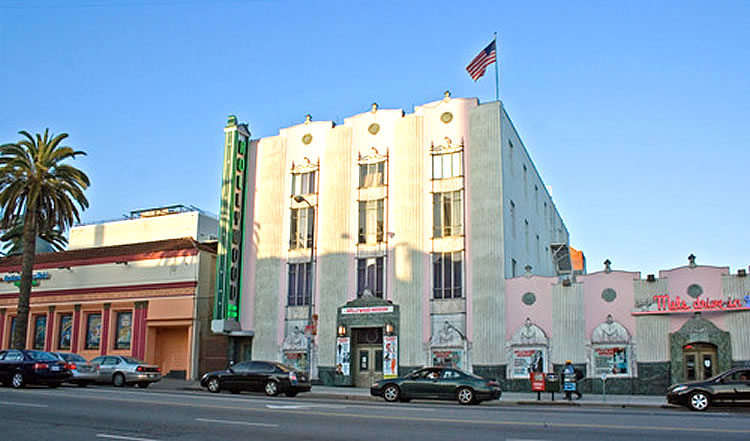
column 637, row 114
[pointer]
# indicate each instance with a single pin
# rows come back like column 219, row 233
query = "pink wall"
column 596, row 308
column 516, row 311
column 708, row 277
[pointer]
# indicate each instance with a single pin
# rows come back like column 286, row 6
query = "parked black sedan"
column 729, row 387
column 268, row 376
column 441, row 383
column 21, row 367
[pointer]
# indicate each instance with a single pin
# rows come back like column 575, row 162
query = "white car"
column 83, row 372
column 120, row 370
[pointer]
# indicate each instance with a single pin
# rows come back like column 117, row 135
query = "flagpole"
column 497, row 77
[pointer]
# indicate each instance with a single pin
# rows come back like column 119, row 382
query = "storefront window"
column 66, row 325
column 124, row 320
column 40, row 331
column 448, row 358
column 611, row 361
column 297, row 360
column 528, row 360
column 93, row 331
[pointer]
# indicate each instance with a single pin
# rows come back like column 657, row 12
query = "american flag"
column 478, row 65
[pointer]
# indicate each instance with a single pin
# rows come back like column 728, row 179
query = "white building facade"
column 383, row 244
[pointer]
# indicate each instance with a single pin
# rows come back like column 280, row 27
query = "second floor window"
column 372, row 175
column 448, row 214
column 447, row 275
column 447, row 165
column 302, row 228
column 303, row 183
column 370, row 276
column 371, row 221
column 299, row 284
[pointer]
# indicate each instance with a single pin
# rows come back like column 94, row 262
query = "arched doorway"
column 699, row 361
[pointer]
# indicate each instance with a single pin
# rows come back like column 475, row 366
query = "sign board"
column 343, row 355
column 666, row 304
column 390, row 356
column 367, row 310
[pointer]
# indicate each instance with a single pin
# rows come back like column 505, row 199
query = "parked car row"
column 19, row 367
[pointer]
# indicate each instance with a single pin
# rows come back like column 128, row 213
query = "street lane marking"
column 24, row 404
column 240, row 423
column 712, row 430
column 130, row 438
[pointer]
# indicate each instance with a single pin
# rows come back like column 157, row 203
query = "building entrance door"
column 367, row 356
column 699, row 360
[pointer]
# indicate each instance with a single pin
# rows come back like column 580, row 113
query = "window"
column 447, row 165
column 370, row 276
column 526, row 360
column 447, row 275
column 372, row 175
column 611, row 360
column 371, row 221
column 40, row 331
column 122, row 337
column 93, row 331
column 299, row 284
column 303, row 183
column 66, row 325
column 513, row 267
column 513, row 218
column 447, row 212
column 302, row 228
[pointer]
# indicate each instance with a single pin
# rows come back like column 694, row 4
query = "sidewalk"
column 508, row 398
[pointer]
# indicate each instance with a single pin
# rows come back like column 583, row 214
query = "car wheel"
column 290, row 393
column 214, row 385
column 143, row 384
column 17, row 381
column 118, row 380
column 465, row 396
column 391, row 393
column 271, row 388
column 699, row 401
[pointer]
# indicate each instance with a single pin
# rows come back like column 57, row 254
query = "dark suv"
column 730, row 387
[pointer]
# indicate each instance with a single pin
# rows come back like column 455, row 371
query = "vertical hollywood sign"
column 231, row 221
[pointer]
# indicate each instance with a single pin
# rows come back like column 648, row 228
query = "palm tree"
column 38, row 190
column 13, row 240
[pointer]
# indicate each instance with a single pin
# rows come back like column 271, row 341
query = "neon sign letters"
column 665, row 304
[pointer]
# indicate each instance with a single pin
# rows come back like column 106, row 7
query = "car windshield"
column 131, row 360
column 73, row 357
column 42, row 356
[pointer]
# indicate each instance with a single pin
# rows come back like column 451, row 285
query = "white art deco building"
column 384, row 241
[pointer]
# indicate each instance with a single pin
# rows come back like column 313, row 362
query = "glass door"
column 699, row 361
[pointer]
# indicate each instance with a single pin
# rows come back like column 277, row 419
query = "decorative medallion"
column 374, row 128
column 609, row 295
column 446, row 117
column 694, row 290
column 529, row 298
column 307, row 139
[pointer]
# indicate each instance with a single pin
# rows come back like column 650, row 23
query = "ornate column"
column 50, row 328
column 75, row 332
column 104, row 332
column 139, row 330
column 2, row 327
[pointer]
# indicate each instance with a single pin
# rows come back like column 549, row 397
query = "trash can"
column 552, row 383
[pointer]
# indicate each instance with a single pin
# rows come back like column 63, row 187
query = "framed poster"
column 40, row 331
column 611, row 361
column 66, row 326
column 390, row 356
column 122, row 337
column 526, row 361
column 93, row 331
column 343, row 355
column 448, row 358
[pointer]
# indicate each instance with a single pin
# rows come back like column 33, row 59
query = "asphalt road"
column 106, row 413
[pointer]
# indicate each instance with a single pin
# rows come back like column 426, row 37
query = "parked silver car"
column 120, row 370
column 83, row 372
